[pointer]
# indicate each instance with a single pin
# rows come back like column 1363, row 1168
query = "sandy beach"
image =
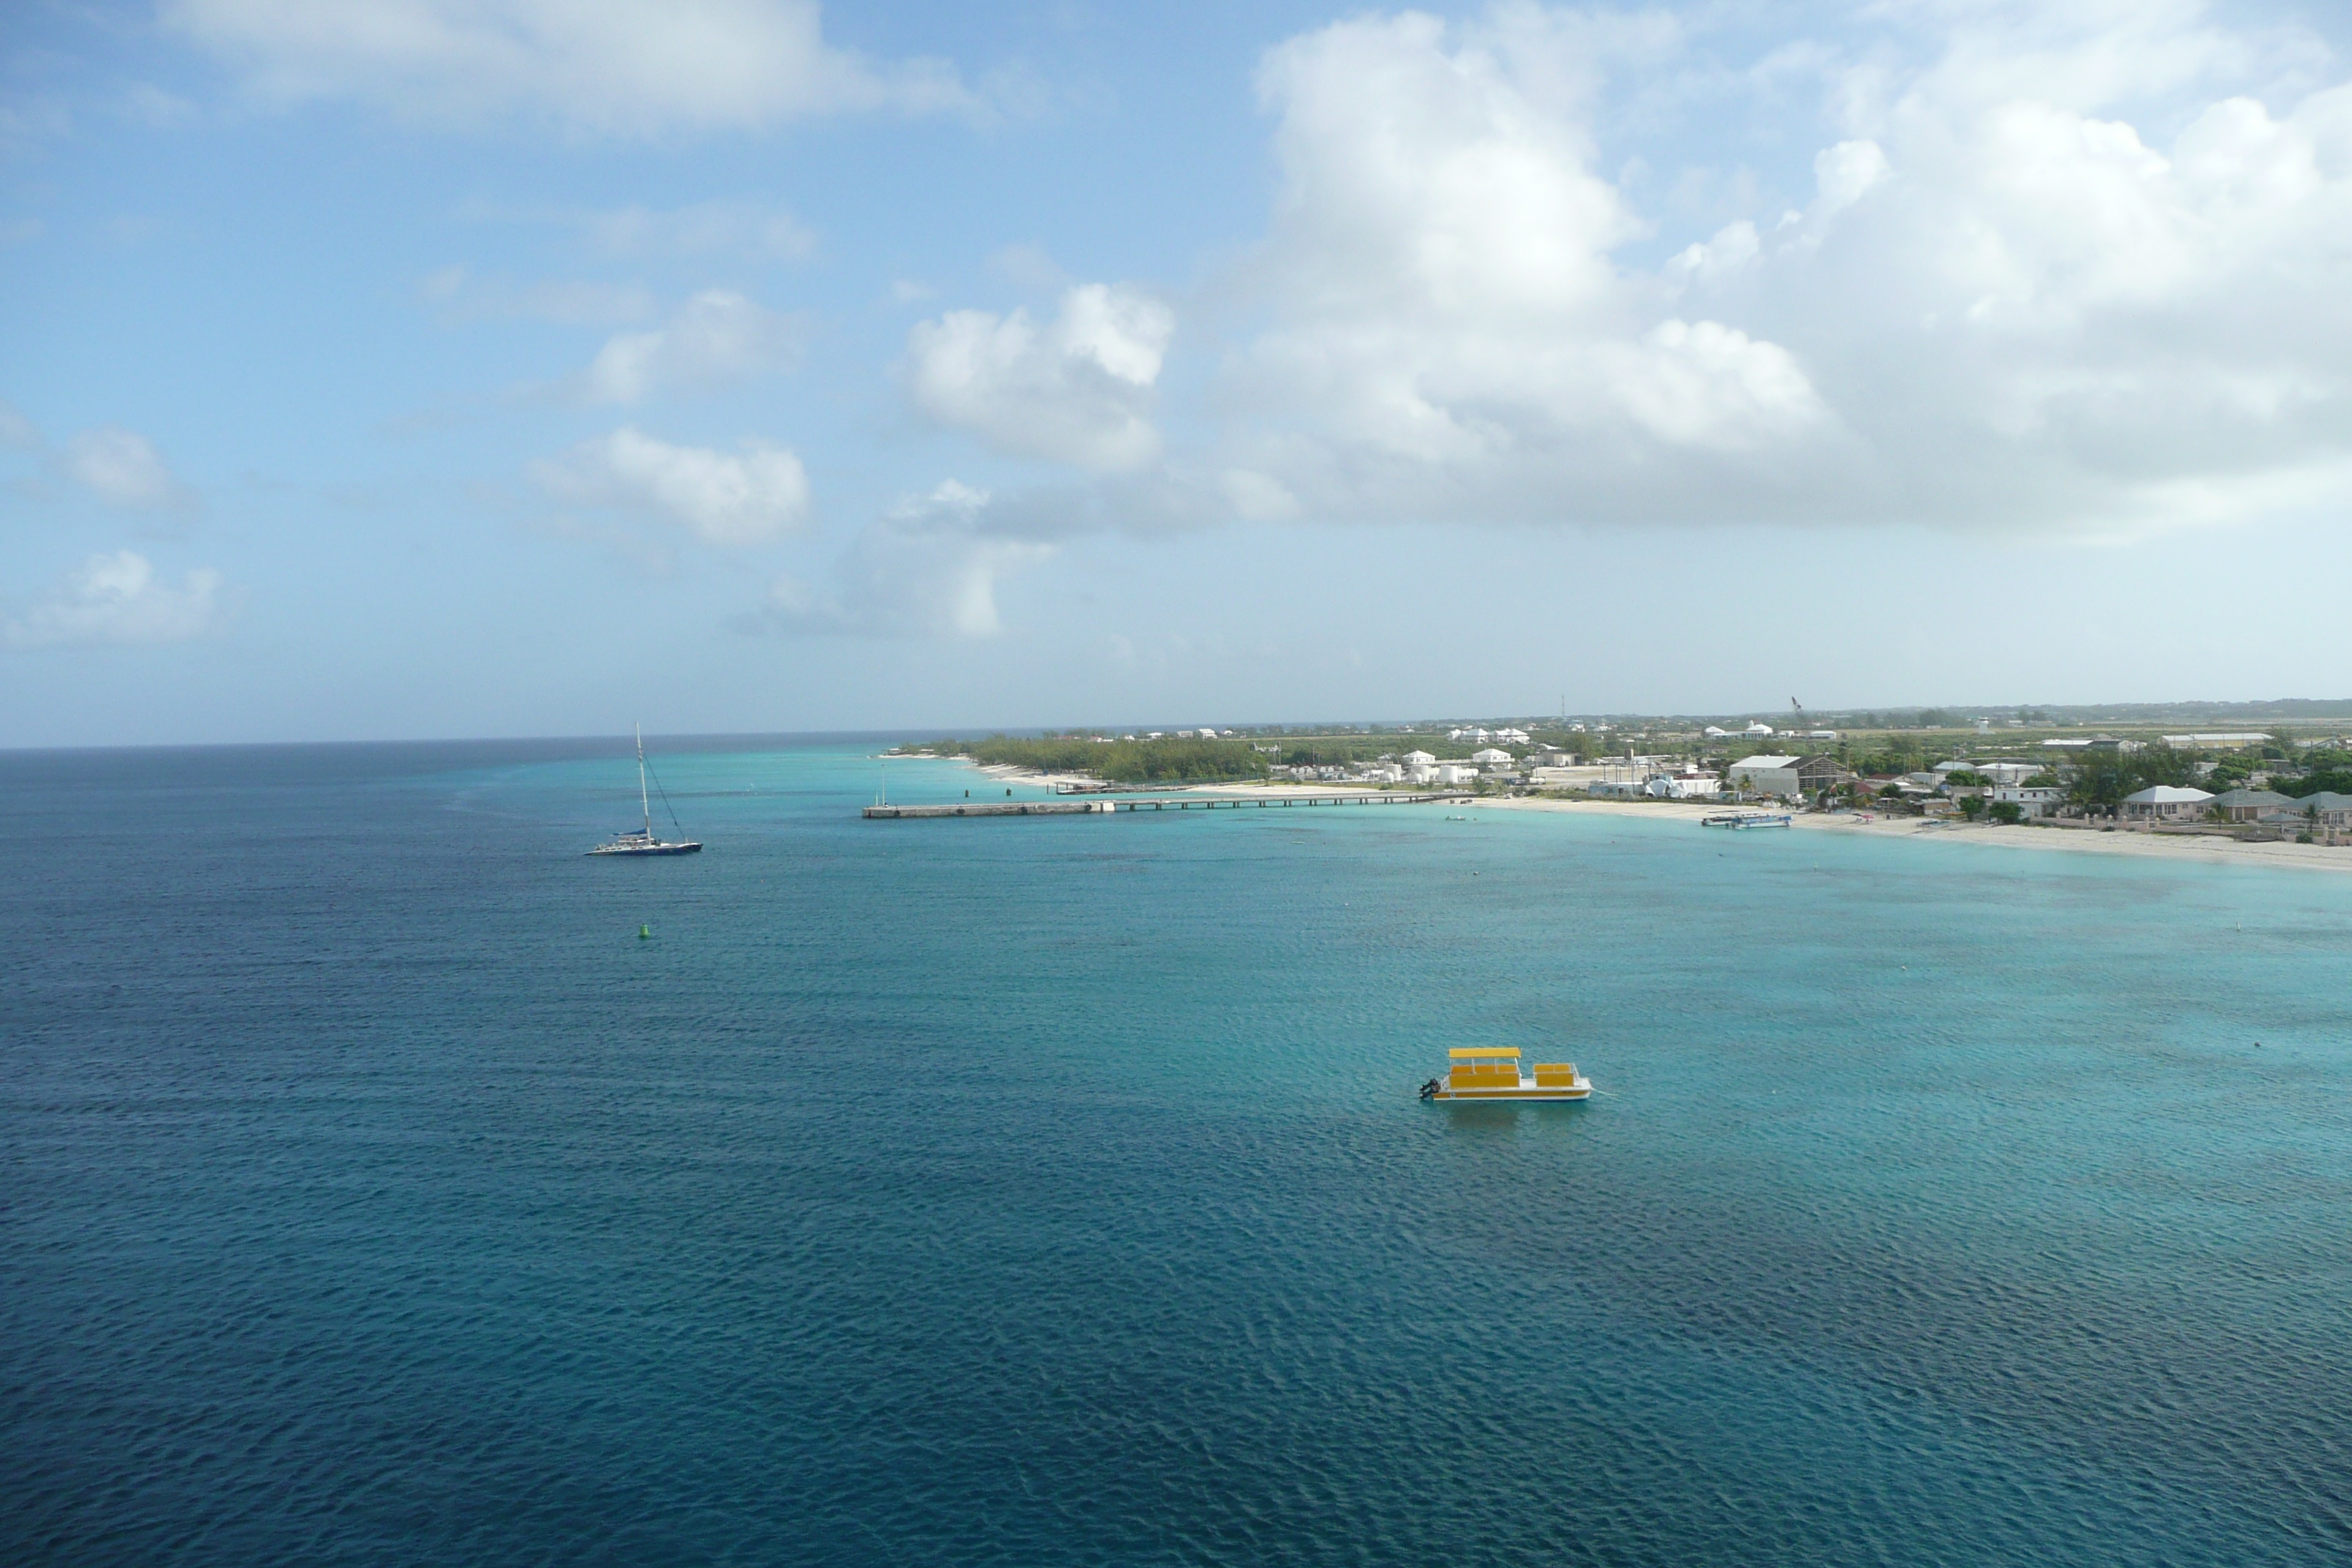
column 2089, row 841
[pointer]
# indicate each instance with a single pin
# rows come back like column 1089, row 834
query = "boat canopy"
column 1459, row 1052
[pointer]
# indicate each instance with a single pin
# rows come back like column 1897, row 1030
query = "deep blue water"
column 1053, row 1191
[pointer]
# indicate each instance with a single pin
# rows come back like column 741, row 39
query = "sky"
column 435, row 368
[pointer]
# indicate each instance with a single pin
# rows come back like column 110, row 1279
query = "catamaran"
column 641, row 840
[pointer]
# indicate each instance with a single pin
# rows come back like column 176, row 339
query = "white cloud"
column 1076, row 390
column 930, row 567
column 1450, row 333
column 747, row 497
column 759, row 230
column 718, row 338
column 456, row 294
column 2006, row 301
column 639, row 67
column 121, row 467
column 117, row 598
column 703, row 228
column 16, row 432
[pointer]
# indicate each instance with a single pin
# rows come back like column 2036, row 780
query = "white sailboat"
column 641, row 841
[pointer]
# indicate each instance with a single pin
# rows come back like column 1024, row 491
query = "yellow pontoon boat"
column 1492, row 1073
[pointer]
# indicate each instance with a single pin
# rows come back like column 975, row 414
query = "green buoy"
column 645, row 933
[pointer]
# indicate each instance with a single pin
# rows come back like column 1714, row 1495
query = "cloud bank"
column 618, row 67
column 117, row 599
column 2054, row 271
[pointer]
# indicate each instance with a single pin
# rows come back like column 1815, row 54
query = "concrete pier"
column 1104, row 805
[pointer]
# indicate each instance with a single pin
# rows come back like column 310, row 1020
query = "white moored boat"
column 1746, row 819
column 1492, row 1073
column 641, row 840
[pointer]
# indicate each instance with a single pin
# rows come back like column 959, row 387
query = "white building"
column 1689, row 784
column 1513, row 737
column 1766, row 775
column 1418, row 759
column 2166, row 803
column 1491, row 756
column 2040, row 800
column 1758, row 727
column 1453, row 773
column 1717, row 732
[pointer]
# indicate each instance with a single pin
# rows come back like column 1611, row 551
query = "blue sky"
column 418, row 368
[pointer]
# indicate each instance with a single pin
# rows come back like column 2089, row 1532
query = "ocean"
column 1053, row 1191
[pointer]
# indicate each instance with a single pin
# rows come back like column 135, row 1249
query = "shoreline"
column 2196, row 850
column 2199, row 849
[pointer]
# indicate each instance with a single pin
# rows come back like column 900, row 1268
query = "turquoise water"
column 1053, row 1191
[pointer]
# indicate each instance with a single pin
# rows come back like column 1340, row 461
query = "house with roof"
column 1821, row 772
column 2325, row 815
column 1491, row 756
column 2031, row 799
column 2249, row 805
column 2164, row 803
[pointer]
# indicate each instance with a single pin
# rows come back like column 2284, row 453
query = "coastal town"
column 2282, row 782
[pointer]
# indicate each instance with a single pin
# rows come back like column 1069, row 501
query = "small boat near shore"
column 1492, row 1073
column 1745, row 819
column 641, row 840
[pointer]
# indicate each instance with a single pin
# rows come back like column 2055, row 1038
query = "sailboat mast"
column 642, row 801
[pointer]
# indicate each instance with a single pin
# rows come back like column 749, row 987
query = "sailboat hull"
column 646, row 849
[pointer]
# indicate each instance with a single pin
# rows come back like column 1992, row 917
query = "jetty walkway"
column 1102, row 805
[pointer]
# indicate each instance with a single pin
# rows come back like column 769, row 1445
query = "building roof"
column 2244, row 798
column 1766, row 763
column 2167, row 794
